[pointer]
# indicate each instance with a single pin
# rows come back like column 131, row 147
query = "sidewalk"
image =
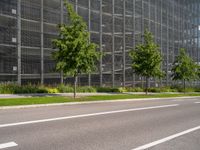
column 4, row 96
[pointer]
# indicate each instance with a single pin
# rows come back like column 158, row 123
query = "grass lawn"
column 50, row 100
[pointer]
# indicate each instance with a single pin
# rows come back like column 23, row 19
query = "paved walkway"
column 57, row 94
column 46, row 94
column 2, row 96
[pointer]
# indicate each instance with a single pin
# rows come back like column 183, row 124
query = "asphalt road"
column 168, row 124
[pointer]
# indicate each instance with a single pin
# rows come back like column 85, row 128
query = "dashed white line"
column 7, row 145
column 197, row 102
column 167, row 139
column 181, row 100
column 85, row 115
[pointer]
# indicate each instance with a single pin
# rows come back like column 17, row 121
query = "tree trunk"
column 147, row 85
column 184, row 86
column 75, row 85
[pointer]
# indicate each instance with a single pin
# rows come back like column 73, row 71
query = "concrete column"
column 142, row 15
column 124, row 43
column 42, row 40
column 167, row 82
column 161, row 43
column 142, row 32
column 173, row 26
column 113, row 43
column 89, row 29
column 149, row 17
column 76, row 6
column 149, row 28
column 61, row 21
column 134, row 20
column 101, row 49
column 156, row 34
column 198, row 39
column 19, row 41
column 198, row 7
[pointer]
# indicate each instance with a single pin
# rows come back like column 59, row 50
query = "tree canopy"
column 184, row 68
column 146, row 58
column 75, row 53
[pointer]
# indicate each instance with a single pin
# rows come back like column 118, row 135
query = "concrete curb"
column 92, row 102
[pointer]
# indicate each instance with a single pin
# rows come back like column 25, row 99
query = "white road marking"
column 180, row 100
column 197, row 102
column 85, row 115
column 167, row 139
column 7, row 145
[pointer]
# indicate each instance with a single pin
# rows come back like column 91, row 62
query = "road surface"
column 170, row 124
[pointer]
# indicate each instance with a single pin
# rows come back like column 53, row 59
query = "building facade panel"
column 27, row 28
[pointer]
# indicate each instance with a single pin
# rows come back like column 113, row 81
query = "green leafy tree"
column 184, row 68
column 146, row 59
column 198, row 71
column 75, row 54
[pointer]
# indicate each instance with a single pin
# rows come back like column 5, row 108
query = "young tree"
column 146, row 59
column 198, row 71
column 75, row 53
column 184, row 68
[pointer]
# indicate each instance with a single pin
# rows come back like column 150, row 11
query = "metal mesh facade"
column 27, row 28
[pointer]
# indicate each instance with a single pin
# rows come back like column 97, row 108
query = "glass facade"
column 27, row 28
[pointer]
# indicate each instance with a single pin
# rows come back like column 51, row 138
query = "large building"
column 27, row 28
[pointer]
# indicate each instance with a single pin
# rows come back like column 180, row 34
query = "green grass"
column 50, row 100
column 134, row 96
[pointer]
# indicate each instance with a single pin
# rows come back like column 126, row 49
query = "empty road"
column 168, row 124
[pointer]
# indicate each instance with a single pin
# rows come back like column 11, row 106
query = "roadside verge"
column 89, row 102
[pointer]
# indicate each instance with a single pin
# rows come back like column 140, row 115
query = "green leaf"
column 184, row 68
column 146, row 58
column 75, row 54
